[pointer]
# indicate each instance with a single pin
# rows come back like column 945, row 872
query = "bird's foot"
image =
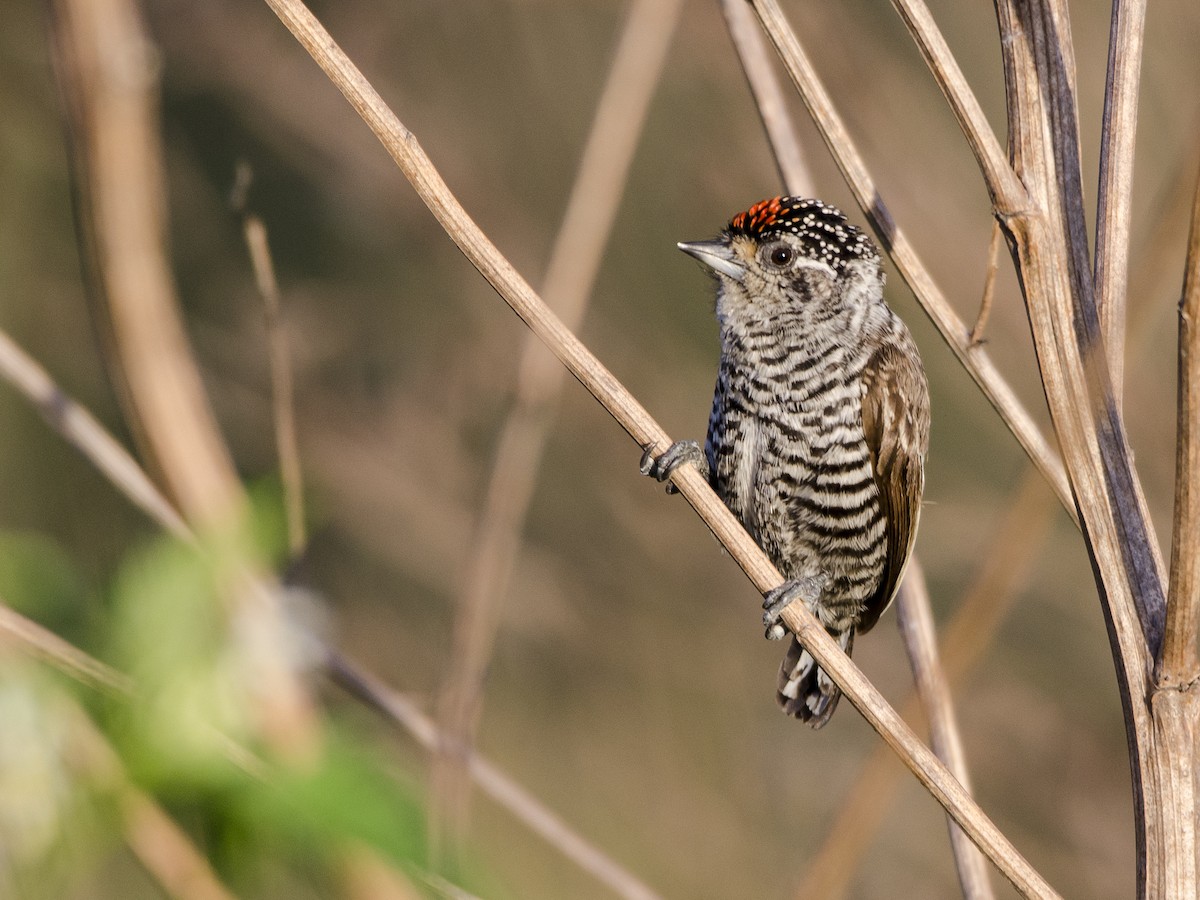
column 679, row 453
column 778, row 599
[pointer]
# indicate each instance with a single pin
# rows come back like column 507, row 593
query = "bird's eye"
column 781, row 256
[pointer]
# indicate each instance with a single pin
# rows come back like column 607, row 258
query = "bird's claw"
column 776, row 600
column 679, row 453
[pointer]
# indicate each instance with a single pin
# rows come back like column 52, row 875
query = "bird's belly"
column 813, row 507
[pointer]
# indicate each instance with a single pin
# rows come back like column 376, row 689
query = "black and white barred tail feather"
column 805, row 691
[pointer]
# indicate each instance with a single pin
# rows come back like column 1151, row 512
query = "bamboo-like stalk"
column 482, row 253
column 1178, row 667
column 570, row 276
column 1117, row 137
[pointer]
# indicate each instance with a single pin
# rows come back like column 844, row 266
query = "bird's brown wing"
column 895, row 414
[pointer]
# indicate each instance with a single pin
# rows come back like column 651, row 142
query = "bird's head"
column 790, row 255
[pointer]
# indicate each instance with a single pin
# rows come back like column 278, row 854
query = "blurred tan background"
column 631, row 688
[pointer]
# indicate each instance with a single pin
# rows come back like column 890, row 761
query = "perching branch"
column 419, row 170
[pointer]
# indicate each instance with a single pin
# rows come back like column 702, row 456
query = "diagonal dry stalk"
column 914, row 616
column 768, row 97
column 158, row 842
column 483, row 254
column 87, row 435
column 570, row 276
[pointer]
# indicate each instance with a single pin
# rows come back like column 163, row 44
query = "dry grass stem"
column 82, row 431
column 1113, row 211
column 107, row 71
column 482, row 253
column 283, row 402
column 491, row 780
column 768, row 97
column 951, row 326
column 989, row 285
column 965, row 640
column 1178, row 666
column 571, row 274
column 915, row 621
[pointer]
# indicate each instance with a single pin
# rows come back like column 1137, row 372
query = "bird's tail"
column 805, row 691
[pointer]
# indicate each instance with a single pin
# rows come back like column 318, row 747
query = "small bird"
column 819, row 425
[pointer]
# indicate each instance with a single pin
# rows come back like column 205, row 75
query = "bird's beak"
column 717, row 255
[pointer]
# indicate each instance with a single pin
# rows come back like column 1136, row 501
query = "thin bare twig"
column 483, row 254
column 82, row 431
column 399, row 709
column 283, row 392
column 1178, row 666
column 570, row 276
column 915, row 621
column 1117, row 138
column 989, row 285
column 964, row 641
column 768, row 97
column 952, row 328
